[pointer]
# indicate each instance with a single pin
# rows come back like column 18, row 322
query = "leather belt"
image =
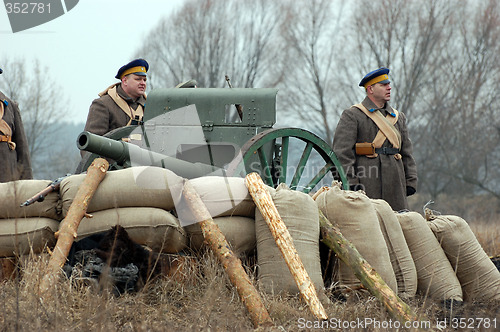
column 386, row 150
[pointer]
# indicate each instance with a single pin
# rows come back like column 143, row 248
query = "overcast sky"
column 84, row 48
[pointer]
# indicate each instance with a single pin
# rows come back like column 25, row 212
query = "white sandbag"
column 355, row 215
column 239, row 232
column 436, row 277
column 225, row 196
column 222, row 196
column 130, row 187
column 478, row 276
column 401, row 260
column 13, row 193
column 153, row 227
column 299, row 212
column 24, row 235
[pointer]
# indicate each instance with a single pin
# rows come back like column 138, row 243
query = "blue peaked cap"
column 137, row 66
column 380, row 75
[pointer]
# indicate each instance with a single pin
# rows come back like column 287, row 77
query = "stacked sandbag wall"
column 435, row 276
column 140, row 199
column 299, row 212
column 231, row 207
column 478, row 276
column 356, row 217
column 28, row 228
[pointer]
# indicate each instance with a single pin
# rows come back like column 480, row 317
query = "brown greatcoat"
column 105, row 115
column 15, row 164
column 384, row 176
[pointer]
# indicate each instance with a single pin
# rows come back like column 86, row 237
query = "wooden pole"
column 284, row 241
column 69, row 226
column 370, row 279
column 232, row 264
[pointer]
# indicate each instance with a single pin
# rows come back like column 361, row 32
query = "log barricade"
column 278, row 229
column 231, row 263
column 69, row 226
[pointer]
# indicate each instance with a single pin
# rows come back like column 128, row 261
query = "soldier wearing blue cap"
column 372, row 143
column 122, row 103
column 15, row 161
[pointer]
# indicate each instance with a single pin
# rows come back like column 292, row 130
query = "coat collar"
column 141, row 100
column 370, row 105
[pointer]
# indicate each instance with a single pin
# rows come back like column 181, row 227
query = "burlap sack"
column 435, row 274
column 401, row 260
column 225, row 196
column 130, row 187
column 239, row 232
column 299, row 212
column 13, row 193
column 222, row 196
column 355, row 216
column 24, row 235
column 478, row 276
column 153, row 227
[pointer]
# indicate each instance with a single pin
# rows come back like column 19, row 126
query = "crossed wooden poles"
column 217, row 242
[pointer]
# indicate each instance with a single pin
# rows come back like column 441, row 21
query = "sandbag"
column 13, row 193
column 131, row 187
column 399, row 253
column 239, row 232
column 153, row 227
column 299, row 212
column 478, row 276
column 355, row 216
column 24, row 235
column 222, row 196
column 435, row 275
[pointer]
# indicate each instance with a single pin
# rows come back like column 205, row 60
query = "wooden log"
column 69, row 226
column 370, row 279
column 231, row 263
column 284, row 241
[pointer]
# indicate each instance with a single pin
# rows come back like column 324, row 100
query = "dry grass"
column 205, row 300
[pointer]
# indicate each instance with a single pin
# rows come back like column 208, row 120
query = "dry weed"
column 203, row 300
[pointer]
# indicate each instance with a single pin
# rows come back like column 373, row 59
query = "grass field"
column 205, row 300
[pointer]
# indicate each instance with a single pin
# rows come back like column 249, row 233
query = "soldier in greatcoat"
column 372, row 143
column 15, row 162
column 122, row 103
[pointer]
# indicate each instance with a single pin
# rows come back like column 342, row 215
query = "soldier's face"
column 381, row 92
column 134, row 85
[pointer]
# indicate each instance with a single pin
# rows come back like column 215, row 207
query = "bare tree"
column 463, row 129
column 208, row 39
column 310, row 85
column 42, row 107
column 444, row 63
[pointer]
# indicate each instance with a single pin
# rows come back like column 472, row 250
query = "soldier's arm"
column 344, row 142
column 410, row 166
column 22, row 146
column 98, row 118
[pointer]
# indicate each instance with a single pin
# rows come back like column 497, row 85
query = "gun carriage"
column 215, row 131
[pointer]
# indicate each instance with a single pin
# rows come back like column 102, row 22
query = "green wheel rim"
column 257, row 145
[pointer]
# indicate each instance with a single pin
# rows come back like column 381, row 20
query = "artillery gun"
column 214, row 131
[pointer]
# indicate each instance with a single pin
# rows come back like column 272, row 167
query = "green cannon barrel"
column 127, row 155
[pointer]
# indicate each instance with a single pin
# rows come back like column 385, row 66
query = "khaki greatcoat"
column 105, row 115
column 383, row 177
column 14, row 164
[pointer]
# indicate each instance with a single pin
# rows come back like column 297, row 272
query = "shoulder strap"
column 385, row 125
column 4, row 127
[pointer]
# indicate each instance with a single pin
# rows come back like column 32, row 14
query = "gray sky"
column 84, row 48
